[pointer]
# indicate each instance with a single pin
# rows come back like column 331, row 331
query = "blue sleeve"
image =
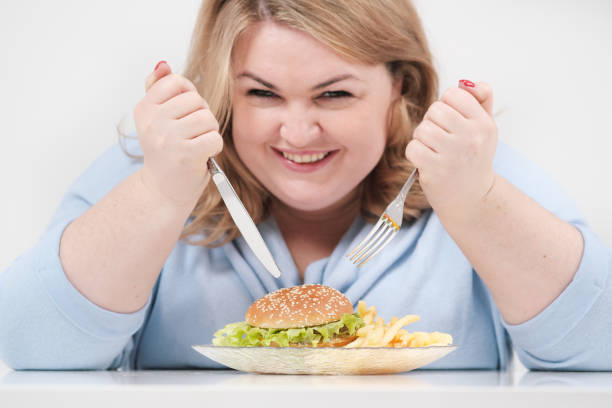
column 573, row 332
column 45, row 323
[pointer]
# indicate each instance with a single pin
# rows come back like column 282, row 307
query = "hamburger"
column 299, row 316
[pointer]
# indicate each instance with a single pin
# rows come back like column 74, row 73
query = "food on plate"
column 299, row 316
column 320, row 316
column 375, row 333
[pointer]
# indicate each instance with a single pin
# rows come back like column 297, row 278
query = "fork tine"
column 365, row 240
column 368, row 244
column 366, row 247
column 385, row 229
column 375, row 245
column 379, row 248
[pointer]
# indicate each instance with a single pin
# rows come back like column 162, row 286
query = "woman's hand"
column 453, row 148
column 177, row 133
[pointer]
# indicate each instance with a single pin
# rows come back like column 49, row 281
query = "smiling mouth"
column 305, row 158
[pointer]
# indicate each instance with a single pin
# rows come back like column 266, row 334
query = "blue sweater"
column 45, row 323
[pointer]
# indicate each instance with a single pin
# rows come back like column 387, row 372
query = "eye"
column 261, row 93
column 335, row 94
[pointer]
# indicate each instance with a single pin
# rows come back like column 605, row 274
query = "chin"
column 310, row 198
column 312, row 202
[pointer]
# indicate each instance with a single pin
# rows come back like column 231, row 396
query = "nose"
column 299, row 127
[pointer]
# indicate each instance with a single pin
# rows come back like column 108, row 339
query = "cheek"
column 250, row 126
column 361, row 131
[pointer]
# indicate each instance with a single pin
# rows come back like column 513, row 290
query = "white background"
column 70, row 70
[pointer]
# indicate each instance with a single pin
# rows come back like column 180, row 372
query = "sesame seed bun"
column 298, row 306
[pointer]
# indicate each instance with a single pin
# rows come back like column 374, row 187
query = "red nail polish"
column 467, row 83
column 158, row 64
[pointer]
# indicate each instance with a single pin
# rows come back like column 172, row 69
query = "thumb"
column 481, row 91
column 161, row 70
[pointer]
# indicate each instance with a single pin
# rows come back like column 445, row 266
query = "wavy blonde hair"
column 364, row 31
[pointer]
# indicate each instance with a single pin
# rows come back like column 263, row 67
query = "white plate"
column 328, row 360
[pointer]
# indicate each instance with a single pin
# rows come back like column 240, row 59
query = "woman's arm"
column 525, row 255
column 114, row 252
column 108, row 240
column 42, row 313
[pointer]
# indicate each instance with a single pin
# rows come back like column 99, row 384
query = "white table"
column 230, row 388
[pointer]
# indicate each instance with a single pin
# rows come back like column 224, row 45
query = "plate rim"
column 322, row 348
column 226, row 356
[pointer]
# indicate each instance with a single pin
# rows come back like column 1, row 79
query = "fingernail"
column 158, row 64
column 467, row 83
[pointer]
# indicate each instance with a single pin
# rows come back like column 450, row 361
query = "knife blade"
column 241, row 217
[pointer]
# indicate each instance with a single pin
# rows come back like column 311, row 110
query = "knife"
column 241, row 217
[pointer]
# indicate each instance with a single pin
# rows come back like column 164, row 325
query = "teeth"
column 305, row 158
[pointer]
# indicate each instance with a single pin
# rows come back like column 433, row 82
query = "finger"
column 432, row 136
column 481, row 91
column 168, row 87
column 206, row 145
column 197, row 123
column 183, row 104
column 445, row 117
column 161, row 70
column 464, row 103
column 419, row 155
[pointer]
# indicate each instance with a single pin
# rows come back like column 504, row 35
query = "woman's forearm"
column 113, row 253
column 524, row 254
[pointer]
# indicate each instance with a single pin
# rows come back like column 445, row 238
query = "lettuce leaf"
column 241, row 334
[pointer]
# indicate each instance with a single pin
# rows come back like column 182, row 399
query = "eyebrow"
column 314, row 88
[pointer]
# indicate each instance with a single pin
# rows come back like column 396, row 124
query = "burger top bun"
column 298, row 306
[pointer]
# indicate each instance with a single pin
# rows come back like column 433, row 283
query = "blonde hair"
column 365, row 31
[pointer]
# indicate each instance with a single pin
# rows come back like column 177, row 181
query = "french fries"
column 376, row 333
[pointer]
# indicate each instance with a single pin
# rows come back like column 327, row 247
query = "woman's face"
column 307, row 123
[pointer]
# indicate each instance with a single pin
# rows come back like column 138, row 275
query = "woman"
column 318, row 111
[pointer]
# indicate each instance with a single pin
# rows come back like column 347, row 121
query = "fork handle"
column 407, row 185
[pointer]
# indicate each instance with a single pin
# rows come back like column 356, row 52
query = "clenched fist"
column 453, row 148
column 177, row 134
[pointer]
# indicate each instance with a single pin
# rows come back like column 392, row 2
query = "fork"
column 385, row 229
